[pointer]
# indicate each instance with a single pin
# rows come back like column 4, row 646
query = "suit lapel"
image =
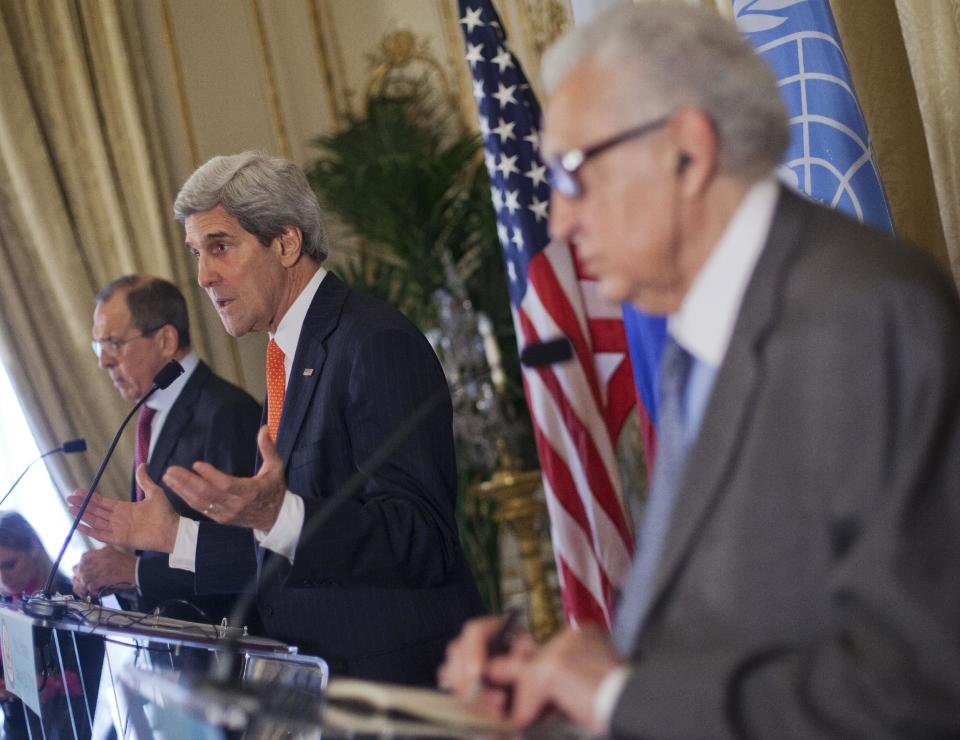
column 180, row 415
column 321, row 319
column 732, row 400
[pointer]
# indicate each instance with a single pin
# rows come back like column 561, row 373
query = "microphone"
column 41, row 605
column 68, row 448
column 547, row 352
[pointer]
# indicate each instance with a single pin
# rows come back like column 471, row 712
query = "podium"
column 66, row 669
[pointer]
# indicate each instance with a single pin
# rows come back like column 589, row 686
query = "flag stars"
column 512, row 203
column 518, row 239
column 533, row 138
column 491, row 162
column 508, row 166
column 539, row 208
column 474, row 54
column 478, row 92
column 511, row 271
column 503, row 232
column 502, row 59
column 484, row 124
column 505, row 130
column 504, row 94
column 537, row 175
column 471, row 19
column 497, row 197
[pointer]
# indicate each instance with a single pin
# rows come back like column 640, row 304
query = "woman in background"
column 24, row 568
column 24, row 564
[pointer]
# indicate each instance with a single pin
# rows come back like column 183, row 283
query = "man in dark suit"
column 139, row 324
column 374, row 581
column 798, row 568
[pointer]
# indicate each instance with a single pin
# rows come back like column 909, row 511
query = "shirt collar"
column 163, row 399
column 287, row 335
column 704, row 322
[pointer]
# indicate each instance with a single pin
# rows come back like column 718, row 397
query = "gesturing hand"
column 253, row 503
column 150, row 524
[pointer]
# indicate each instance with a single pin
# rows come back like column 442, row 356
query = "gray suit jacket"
column 810, row 584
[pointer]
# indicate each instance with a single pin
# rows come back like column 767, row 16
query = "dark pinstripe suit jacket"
column 214, row 421
column 382, row 585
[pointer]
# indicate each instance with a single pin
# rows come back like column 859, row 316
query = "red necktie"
column 143, row 443
column 276, row 385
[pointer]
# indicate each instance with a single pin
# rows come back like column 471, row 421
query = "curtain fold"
column 83, row 199
column 931, row 33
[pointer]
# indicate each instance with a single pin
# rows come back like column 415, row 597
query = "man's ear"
column 169, row 340
column 290, row 240
column 695, row 156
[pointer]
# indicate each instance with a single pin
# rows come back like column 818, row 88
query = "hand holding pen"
column 471, row 652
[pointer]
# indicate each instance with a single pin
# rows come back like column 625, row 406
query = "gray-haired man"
column 798, row 570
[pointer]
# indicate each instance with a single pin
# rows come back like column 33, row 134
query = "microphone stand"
column 73, row 445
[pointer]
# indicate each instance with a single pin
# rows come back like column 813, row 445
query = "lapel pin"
column 307, row 372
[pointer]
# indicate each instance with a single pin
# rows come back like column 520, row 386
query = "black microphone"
column 68, row 447
column 547, row 352
column 41, row 605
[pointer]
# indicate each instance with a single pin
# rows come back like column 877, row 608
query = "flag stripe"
column 597, row 470
column 609, row 535
column 577, row 408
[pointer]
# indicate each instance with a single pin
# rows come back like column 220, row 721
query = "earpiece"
column 683, row 161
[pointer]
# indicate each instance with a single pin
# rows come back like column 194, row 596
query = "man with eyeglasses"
column 797, row 572
column 140, row 323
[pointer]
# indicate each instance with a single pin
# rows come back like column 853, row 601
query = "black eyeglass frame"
column 562, row 169
column 116, row 345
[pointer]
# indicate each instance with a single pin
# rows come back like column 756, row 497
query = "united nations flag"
column 830, row 157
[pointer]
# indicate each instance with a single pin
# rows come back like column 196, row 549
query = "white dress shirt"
column 285, row 533
column 703, row 326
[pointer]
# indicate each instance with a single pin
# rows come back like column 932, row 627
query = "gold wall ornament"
column 404, row 50
column 543, row 22
column 521, row 511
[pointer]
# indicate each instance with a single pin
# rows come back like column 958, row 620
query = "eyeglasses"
column 562, row 170
column 114, row 345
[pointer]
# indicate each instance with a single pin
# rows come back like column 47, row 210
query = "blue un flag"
column 830, row 157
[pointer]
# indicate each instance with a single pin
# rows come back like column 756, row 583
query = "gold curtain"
column 81, row 202
column 886, row 83
column 931, row 32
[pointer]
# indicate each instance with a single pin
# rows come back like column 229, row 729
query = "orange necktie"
column 276, row 383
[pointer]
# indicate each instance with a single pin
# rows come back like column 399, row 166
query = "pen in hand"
column 499, row 642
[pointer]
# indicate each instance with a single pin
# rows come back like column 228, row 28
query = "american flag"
column 578, row 408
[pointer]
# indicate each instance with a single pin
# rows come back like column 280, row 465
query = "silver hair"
column 681, row 56
column 262, row 192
